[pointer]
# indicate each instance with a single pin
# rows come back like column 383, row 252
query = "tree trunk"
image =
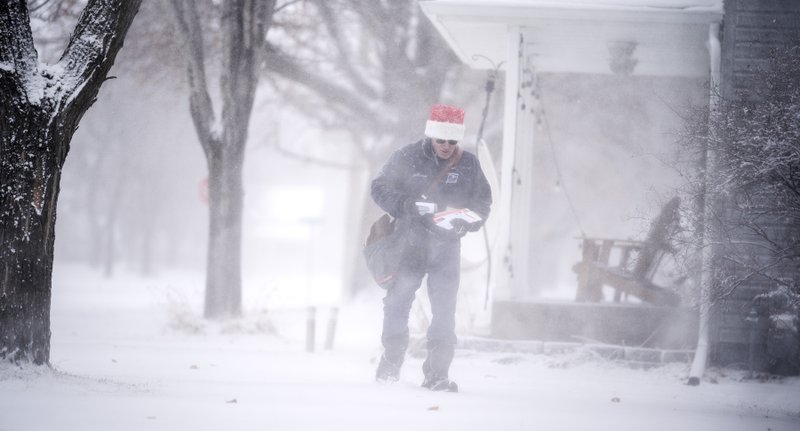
column 40, row 108
column 244, row 25
column 28, row 199
column 223, row 269
column 358, row 222
column 109, row 253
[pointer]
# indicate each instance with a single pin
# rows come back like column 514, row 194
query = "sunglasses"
column 443, row 141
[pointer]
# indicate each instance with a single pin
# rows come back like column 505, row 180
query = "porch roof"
column 664, row 37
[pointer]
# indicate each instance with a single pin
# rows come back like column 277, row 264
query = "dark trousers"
column 440, row 260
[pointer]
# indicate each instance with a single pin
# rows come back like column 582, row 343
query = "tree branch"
column 280, row 63
column 16, row 39
column 343, row 58
column 18, row 57
column 245, row 24
column 200, row 106
column 93, row 47
column 315, row 160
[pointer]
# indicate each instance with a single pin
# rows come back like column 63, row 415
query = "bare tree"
column 376, row 65
column 40, row 108
column 243, row 25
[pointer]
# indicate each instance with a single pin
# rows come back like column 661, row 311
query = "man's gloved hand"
column 416, row 207
column 410, row 207
column 460, row 227
column 474, row 227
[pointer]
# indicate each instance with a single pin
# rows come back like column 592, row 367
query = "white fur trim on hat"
column 442, row 130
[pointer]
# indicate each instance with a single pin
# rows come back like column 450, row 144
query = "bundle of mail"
column 445, row 218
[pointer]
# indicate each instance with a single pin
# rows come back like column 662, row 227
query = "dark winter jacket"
column 409, row 172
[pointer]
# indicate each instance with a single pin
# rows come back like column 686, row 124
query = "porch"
column 587, row 87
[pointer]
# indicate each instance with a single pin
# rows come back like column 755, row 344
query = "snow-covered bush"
column 750, row 145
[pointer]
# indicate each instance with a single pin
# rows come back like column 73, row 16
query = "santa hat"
column 445, row 122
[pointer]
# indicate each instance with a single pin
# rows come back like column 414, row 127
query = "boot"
column 436, row 366
column 437, row 380
column 388, row 371
column 445, row 385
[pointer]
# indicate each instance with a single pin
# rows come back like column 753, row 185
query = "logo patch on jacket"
column 452, row 178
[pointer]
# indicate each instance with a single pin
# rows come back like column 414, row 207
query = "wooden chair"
column 636, row 263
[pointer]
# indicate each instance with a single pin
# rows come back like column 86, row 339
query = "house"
column 655, row 51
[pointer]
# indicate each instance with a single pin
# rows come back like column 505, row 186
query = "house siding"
column 751, row 29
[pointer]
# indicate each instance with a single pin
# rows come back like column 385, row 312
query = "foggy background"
column 131, row 195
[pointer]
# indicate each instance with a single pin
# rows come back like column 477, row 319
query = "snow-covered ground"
column 131, row 354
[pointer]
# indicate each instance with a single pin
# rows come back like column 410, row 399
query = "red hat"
column 445, row 122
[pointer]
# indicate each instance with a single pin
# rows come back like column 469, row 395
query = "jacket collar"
column 427, row 150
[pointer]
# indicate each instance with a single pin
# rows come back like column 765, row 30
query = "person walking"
column 422, row 186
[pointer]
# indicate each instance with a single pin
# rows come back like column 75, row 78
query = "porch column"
column 511, row 266
column 705, row 278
